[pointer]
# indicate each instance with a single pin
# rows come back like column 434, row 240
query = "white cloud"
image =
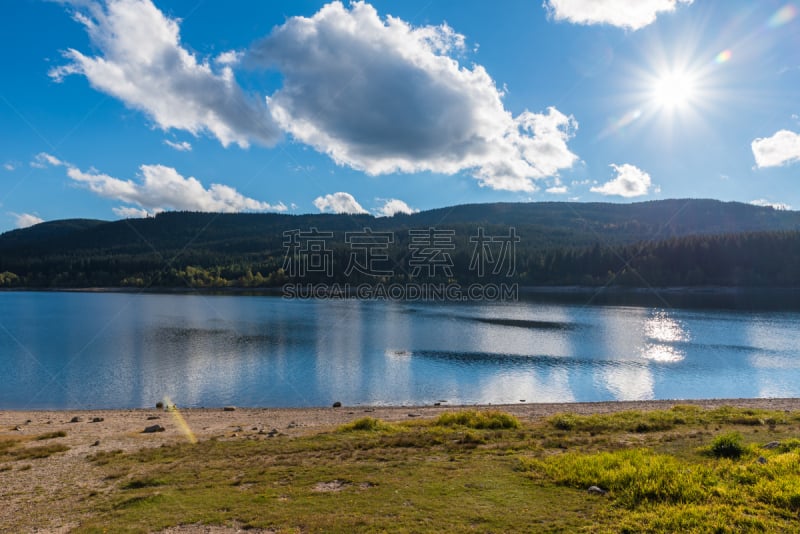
column 629, row 182
column 9, row 166
column 557, row 190
column 162, row 188
column 780, row 149
column 231, row 57
column 384, row 96
column 43, row 160
column 181, row 146
column 393, row 206
column 129, row 212
column 24, row 220
column 629, row 14
column 774, row 205
column 142, row 63
column 339, row 203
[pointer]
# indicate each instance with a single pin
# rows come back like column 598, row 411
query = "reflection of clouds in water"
column 774, row 361
column 551, row 386
column 664, row 330
column 624, row 335
column 398, row 373
column 522, row 330
column 776, row 358
column 339, row 348
column 629, row 383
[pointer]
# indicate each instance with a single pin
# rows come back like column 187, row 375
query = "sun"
column 674, row 90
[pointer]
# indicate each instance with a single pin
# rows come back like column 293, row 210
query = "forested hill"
column 539, row 224
column 559, row 243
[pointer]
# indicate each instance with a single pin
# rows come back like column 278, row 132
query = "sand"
column 43, row 494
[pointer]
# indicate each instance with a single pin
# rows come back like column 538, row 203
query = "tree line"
column 755, row 259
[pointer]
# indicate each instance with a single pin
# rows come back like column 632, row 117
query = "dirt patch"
column 332, row 486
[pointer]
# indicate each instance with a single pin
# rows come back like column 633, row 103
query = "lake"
column 118, row 350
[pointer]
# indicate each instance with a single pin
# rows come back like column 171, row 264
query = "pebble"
column 153, row 428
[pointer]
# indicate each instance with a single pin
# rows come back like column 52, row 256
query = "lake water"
column 116, row 350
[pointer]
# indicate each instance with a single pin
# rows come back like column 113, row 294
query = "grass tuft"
column 32, row 453
column 789, row 445
column 51, row 435
column 727, row 445
column 138, row 483
column 479, row 420
column 366, row 424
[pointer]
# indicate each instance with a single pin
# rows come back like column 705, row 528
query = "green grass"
column 471, row 471
column 14, row 449
column 479, row 420
column 366, row 424
column 51, row 435
column 727, row 446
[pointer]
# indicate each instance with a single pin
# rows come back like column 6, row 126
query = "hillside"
column 559, row 244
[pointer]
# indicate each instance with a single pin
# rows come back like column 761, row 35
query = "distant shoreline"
column 532, row 290
column 337, row 415
column 684, row 297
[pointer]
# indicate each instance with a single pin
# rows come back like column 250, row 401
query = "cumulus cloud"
column 393, row 206
column 231, row 57
column 129, row 212
column 780, row 149
column 628, row 14
column 774, row 205
column 557, row 190
column 9, row 166
column 630, row 181
column 141, row 62
column 181, row 146
column 339, row 203
column 24, row 220
column 158, row 189
column 43, row 160
column 383, row 96
column 162, row 187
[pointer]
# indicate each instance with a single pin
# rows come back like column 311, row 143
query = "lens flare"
column 723, row 57
column 782, row 16
column 183, row 426
column 620, row 123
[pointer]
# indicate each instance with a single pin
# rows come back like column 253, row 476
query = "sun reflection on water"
column 663, row 332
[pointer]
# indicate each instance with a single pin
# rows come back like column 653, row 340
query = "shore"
column 28, row 487
column 123, row 429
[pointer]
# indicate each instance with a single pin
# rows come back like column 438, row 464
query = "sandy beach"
column 42, row 491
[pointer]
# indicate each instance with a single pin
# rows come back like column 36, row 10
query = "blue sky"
column 123, row 108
